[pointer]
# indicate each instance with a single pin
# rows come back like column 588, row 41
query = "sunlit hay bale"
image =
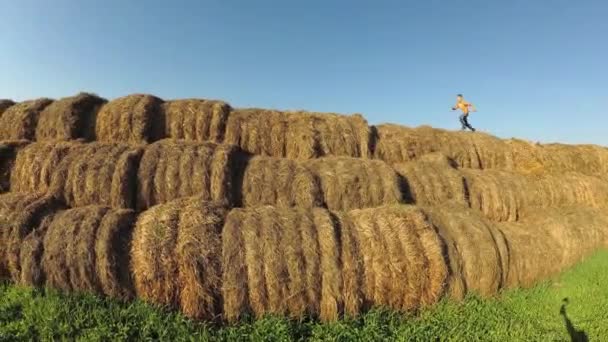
column 70, row 118
column 172, row 169
column 10, row 204
column 86, row 250
column 19, row 121
column 196, row 119
column 279, row 182
column 353, row 183
column 282, row 261
column 432, row 179
column 8, row 154
column 35, row 164
column 5, row 104
column 98, row 174
column 131, row 119
column 20, row 215
column 312, row 135
column 499, row 195
column 176, row 256
column 402, row 257
column 477, row 252
column 298, row 135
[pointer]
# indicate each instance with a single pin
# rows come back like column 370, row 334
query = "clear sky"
column 536, row 69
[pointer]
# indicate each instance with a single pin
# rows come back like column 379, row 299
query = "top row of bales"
column 140, row 118
column 295, row 135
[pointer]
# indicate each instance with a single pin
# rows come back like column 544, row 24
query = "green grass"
column 517, row 315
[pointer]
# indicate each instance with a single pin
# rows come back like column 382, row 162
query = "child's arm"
column 472, row 106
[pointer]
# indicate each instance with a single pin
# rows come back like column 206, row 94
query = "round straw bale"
column 98, row 174
column 36, row 163
column 313, row 135
column 8, row 154
column 19, row 121
column 27, row 214
column 196, row 119
column 30, row 256
column 176, row 254
column 499, row 195
column 432, row 179
column 477, row 251
column 133, row 119
column 173, row 169
column 275, row 263
column 258, row 131
column 70, row 118
column 5, row 104
column 402, row 254
column 10, row 204
column 298, row 135
column 280, row 182
column 352, row 183
column 85, row 249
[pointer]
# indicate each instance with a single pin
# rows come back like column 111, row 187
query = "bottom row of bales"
column 218, row 264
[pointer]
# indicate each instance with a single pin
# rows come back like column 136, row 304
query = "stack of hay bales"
column 8, row 153
column 298, row 135
column 131, row 119
column 70, row 118
column 87, row 249
column 196, row 119
column 352, row 183
column 98, row 174
column 19, row 121
column 172, row 169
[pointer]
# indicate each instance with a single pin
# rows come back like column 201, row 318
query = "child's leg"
column 466, row 123
column 463, row 121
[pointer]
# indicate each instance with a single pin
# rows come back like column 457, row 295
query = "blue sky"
column 535, row 69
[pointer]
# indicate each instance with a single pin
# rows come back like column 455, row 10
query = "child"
column 464, row 107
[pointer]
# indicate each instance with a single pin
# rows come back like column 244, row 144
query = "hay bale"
column 403, row 264
column 5, row 104
column 477, row 252
column 196, row 119
column 30, row 255
column 20, row 214
column 70, row 118
column 275, row 263
column 352, row 183
column 279, row 182
column 173, row 169
column 258, row 131
column 131, row 119
column 98, row 174
column 499, row 195
column 432, row 179
column 176, row 254
column 19, row 121
column 298, row 135
column 86, row 249
column 547, row 241
column 35, row 165
column 8, row 154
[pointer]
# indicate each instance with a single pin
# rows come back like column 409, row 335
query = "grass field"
column 517, row 315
